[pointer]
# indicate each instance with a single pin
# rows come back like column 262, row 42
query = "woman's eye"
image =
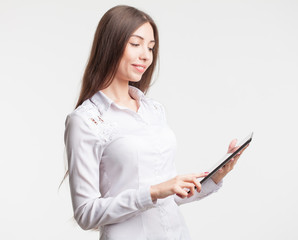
column 137, row 44
column 134, row 44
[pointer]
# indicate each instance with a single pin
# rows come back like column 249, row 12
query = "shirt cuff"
column 144, row 200
column 210, row 186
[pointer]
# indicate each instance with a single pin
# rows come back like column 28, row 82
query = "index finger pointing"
column 200, row 175
column 191, row 177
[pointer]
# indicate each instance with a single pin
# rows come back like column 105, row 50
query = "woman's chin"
column 135, row 80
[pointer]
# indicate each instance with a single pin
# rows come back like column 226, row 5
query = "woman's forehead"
column 145, row 31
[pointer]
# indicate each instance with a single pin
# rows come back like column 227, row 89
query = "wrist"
column 153, row 193
column 215, row 179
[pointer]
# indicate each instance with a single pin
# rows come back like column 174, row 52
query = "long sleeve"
column 208, row 188
column 84, row 153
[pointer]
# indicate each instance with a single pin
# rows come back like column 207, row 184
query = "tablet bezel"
column 227, row 158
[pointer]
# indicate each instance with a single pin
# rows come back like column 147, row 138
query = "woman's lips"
column 140, row 68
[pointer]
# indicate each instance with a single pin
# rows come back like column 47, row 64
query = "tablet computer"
column 226, row 158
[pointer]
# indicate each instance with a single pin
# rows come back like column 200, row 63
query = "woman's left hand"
column 221, row 173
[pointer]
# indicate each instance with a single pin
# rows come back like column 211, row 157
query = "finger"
column 191, row 191
column 204, row 174
column 186, row 185
column 231, row 164
column 234, row 149
column 238, row 155
column 193, row 181
column 198, row 186
column 235, row 157
column 235, row 161
column 244, row 149
column 180, row 192
column 232, row 145
column 193, row 177
column 179, row 195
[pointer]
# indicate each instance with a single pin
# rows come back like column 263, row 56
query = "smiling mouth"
column 140, row 68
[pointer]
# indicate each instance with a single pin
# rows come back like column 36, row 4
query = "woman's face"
column 138, row 55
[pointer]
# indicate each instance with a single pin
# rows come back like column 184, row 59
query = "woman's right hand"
column 182, row 185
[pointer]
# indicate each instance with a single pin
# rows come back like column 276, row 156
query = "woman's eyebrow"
column 140, row 37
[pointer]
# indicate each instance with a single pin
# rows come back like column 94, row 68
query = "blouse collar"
column 103, row 102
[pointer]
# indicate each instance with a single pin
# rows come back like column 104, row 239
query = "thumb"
column 232, row 145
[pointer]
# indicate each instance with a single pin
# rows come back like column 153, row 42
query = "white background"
column 226, row 68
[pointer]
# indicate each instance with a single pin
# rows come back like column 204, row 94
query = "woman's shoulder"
column 87, row 117
column 87, row 110
column 84, row 118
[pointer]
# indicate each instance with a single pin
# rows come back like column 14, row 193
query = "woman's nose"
column 145, row 54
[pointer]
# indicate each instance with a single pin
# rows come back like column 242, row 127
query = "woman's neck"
column 118, row 91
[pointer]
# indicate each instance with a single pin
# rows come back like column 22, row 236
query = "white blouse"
column 114, row 156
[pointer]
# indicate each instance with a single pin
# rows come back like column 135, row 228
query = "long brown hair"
column 110, row 39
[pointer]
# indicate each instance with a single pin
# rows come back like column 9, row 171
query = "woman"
column 119, row 147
